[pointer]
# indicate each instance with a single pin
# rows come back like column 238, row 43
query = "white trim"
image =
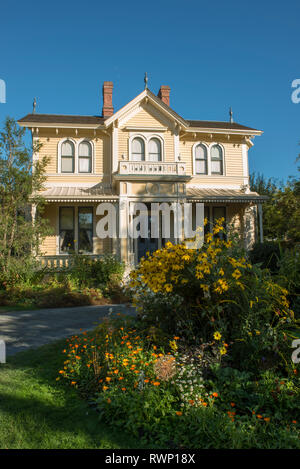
column 245, row 163
column 91, row 142
column 176, row 146
column 145, row 129
column 154, row 100
column 146, row 138
column 194, row 159
column 76, row 144
column 208, row 149
column 115, row 149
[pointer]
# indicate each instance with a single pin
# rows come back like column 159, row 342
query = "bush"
column 87, row 272
column 18, row 271
column 160, row 394
column 266, row 254
column 197, row 293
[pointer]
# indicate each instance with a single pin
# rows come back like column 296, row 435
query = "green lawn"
column 38, row 412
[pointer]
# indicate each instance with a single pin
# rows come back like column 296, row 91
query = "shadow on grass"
column 38, row 412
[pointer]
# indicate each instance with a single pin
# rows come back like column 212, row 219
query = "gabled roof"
column 61, row 119
column 94, row 122
column 219, row 125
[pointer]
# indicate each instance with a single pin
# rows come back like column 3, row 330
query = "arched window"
column 67, row 157
column 200, row 159
column 85, row 157
column 216, row 157
column 138, row 149
column 154, row 149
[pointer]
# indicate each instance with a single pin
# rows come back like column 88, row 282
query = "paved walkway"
column 29, row 329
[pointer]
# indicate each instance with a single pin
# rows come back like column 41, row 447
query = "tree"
column 21, row 180
column 281, row 213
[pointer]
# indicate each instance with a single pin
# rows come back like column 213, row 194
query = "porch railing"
column 61, row 262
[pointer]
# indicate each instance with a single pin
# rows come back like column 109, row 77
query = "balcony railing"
column 152, row 168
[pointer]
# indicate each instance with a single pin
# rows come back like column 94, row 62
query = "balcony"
column 151, row 170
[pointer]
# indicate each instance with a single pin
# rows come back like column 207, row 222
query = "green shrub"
column 87, row 272
column 266, row 254
column 161, row 396
column 19, row 271
column 196, row 293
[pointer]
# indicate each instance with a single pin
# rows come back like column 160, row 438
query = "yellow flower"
column 223, row 351
column 217, row 336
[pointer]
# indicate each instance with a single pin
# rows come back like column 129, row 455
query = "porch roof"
column 223, row 195
column 79, row 194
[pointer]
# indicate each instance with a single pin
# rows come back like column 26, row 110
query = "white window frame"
column 208, row 149
column 146, row 138
column 76, row 155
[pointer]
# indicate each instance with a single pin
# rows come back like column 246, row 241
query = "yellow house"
column 144, row 152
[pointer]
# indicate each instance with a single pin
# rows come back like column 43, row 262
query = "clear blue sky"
column 212, row 54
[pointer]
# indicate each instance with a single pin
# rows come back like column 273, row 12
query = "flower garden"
column 207, row 361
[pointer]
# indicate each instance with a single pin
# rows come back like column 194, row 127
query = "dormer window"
column 201, row 159
column 67, row 157
column 138, row 149
column 154, row 150
column 85, row 157
column 216, row 157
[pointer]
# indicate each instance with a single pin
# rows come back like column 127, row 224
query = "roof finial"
column 146, row 81
column 33, row 106
column 230, row 115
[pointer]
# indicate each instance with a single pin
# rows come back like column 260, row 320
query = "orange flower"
column 146, row 380
column 156, row 383
column 259, row 416
column 109, row 400
column 121, row 377
column 178, row 412
column 108, row 378
column 176, row 338
column 215, row 394
column 123, row 389
column 104, row 388
column 267, row 419
column 204, row 403
column 295, row 371
column 232, row 404
column 294, row 421
column 73, row 382
column 191, row 401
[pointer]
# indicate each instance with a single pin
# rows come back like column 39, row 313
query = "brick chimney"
column 107, row 89
column 164, row 94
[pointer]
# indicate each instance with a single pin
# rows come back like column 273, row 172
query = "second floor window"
column 67, row 157
column 201, row 159
column 216, row 156
column 138, row 149
column 85, row 157
column 154, row 150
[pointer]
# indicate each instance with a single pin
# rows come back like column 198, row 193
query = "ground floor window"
column 82, row 229
column 85, row 229
column 66, row 229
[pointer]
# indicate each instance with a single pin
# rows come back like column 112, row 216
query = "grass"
column 37, row 412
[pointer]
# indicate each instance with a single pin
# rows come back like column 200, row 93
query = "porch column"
column 260, row 220
column 123, row 228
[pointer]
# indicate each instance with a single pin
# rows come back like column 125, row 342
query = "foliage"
column 21, row 180
column 281, row 213
column 87, row 272
column 211, row 290
column 36, row 412
column 162, row 394
column 266, row 254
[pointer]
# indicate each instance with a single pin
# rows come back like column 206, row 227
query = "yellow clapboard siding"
column 50, row 143
column 232, row 155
